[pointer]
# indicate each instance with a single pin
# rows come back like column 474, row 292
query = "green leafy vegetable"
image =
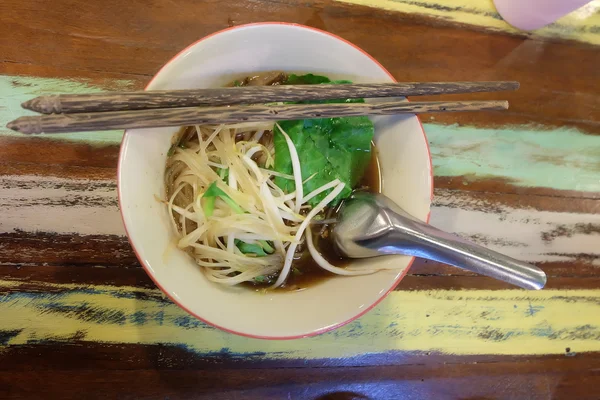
column 328, row 147
column 258, row 249
column 211, row 195
column 308, row 79
column 237, row 83
column 261, row 279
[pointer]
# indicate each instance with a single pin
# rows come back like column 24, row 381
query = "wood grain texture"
column 532, row 228
column 31, row 276
column 459, row 322
column 18, row 89
column 422, row 43
column 176, row 117
column 580, row 25
column 521, row 159
column 524, row 181
column 563, row 233
column 553, row 378
column 75, row 354
column 556, row 378
column 74, row 103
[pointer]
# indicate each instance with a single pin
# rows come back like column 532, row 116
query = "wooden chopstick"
column 97, row 102
column 80, row 122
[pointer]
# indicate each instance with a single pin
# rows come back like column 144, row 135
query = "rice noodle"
column 317, row 209
column 295, row 167
column 320, row 190
column 256, row 212
column 323, row 263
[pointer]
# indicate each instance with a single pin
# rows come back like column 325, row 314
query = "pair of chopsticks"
column 147, row 109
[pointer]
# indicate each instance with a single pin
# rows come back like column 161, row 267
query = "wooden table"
column 80, row 319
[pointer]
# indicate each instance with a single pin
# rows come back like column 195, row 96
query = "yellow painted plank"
column 582, row 25
column 506, row 322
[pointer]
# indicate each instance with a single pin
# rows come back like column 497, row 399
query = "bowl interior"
column 211, row 62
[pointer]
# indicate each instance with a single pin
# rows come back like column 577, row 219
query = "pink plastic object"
column 534, row 14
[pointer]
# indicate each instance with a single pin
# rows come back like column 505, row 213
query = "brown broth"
column 305, row 271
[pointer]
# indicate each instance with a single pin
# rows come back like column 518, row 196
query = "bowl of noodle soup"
column 236, row 235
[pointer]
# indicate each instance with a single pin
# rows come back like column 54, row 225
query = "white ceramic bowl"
column 211, row 62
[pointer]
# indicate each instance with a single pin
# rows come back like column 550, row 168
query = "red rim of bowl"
column 146, row 268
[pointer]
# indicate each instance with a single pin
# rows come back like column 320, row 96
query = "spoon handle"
column 413, row 237
column 370, row 225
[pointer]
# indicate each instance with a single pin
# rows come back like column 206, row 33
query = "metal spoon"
column 372, row 225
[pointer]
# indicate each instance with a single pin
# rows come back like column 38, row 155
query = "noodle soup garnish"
column 246, row 200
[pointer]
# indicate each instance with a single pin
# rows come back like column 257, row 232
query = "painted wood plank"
column 483, row 322
column 557, row 379
column 47, row 249
column 17, row 89
column 523, row 233
column 89, row 207
column 420, row 53
column 32, row 276
column 75, row 355
column 558, row 158
column 581, row 25
column 59, row 205
column 150, row 39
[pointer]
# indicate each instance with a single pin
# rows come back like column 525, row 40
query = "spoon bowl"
column 373, row 225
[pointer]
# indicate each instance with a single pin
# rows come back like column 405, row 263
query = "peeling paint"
column 561, row 158
column 17, row 89
column 89, row 207
column 452, row 322
column 525, row 155
column 464, row 322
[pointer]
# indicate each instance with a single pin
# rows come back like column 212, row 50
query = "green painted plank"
column 17, row 89
column 529, row 156
column 560, row 158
